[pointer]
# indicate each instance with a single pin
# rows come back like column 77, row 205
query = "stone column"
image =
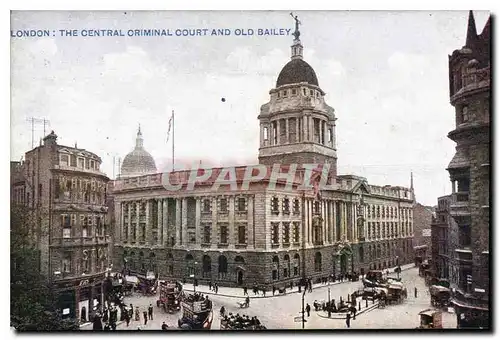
column 305, row 135
column 164, row 234
column 325, row 221
column 342, row 219
column 261, row 135
column 197, row 221
column 149, row 225
column 178, row 227
column 354, row 222
column 321, row 132
column 129, row 222
column 213, row 229
column 231, row 232
column 311, row 129
column 159, row 228
column 123, row 237
column 184, row 222
column 287, row 130
column 298, row 133
column 334, row 221
column 309, row 224
column 325, row 133
column 137, row 223
column 250, row 220
column 278, row 134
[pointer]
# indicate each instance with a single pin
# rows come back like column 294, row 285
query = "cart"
column 395, row 292
column 170, row 296
column 196, row 315
column 440, row 296
column 430, row 318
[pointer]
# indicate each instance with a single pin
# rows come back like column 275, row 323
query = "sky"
column 385, row 73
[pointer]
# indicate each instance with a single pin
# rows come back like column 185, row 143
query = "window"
column 223, row 205
column 223, row 234
column 284, row 93
column 266, row 133
column 294, row 92
column 64, row 160
column 465, row 114
column 274, row 205
column 361, row 254
column 206, row 205
column 368, row 211
column 206, row 233
column 66, row 263
column 66, row 232
column 87, row 163
column 286, row 232
column 383, row 229
column 296, row 206
column 330, row 135
column 317, row 262
column 378, row 229
column 192, row 237
column 275, row 133
column 84, row 223
column 242, row 234
column 81, row 163
column 275, row 233
column 296, row 232
column 311, row 93
column 73, row 160
column 242, row 204
column 316, row 207
column 92, row 164
column 383, row 211
column 286, row 206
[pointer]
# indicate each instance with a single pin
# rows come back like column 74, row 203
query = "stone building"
column 239, row 234
column 66, row 192
column 422, row 219
column 469, row 207
column 441, row 250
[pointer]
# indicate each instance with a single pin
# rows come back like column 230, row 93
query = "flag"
column 170, row 125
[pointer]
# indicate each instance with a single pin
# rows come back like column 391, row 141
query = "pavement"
column 280, row 312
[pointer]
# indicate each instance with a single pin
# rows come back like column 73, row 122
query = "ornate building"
column 469, row 207
column 138, row 162
column 260, row 233
column 66, row 192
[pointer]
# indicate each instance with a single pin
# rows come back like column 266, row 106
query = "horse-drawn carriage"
column 147, row 284
column 440, row 296
column 170, row 296
column 197, row 314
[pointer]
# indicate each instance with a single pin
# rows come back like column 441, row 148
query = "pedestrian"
column 131, row 311
column 150, row 312
column 127, row 318
column 210, row 285
column 291, row 285
column 222, row 311
column 354, row 310
column 137, row 315
column 348, row 320
column 245, row 292
column 113, row 326
column 415, row 292
column 274, row 289
column 164, row 326
column 308, row 310
column 264, row 292
column 145, row 317
column 216, row 288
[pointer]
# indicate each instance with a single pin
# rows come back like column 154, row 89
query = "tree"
column 33, row 301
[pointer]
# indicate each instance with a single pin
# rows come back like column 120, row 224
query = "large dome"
column 297, row 71
column 139, row 161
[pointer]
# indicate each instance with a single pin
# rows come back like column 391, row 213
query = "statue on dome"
column 296, row 34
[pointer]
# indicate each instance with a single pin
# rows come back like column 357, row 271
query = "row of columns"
column 304, row 131
column 178, row 227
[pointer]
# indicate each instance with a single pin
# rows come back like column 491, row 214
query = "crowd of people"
column 240, row 322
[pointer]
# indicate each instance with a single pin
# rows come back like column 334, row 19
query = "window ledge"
column 275, row 245
column 287, row 244
column 222, row 245
column 206, row 245
column 275, row 212
column 240, row 245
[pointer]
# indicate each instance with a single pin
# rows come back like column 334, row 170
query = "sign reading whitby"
column 164, row 163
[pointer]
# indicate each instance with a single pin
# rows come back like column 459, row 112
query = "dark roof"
column 479, row 44
column 297, row 71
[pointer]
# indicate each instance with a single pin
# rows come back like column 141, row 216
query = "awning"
column 455, row 302
column 429, row 312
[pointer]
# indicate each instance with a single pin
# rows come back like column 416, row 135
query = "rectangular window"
column 275, row 133
column 223, row 234
column 296, row 206
column 286, row 232
column 192, row 237
column 286, row 206
column 92, row 164
column 73, row 160
column 66, row 263
column 266, row 133
column 284, row 93
column 275, row 233
column 223, row 205
column 242, row 234
column 274, row 205
column 296, row 232
column 242, row 204
column 206, row 234
column 64, row 160
column 311, row 93
column 207, row 207
column 66, row 232
column 294, row 92
column 305, row 92
column 81, row 163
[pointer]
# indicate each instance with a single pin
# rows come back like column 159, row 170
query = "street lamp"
column 398, row 268
column 193, row 276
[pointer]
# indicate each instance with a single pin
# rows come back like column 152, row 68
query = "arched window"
column 189, row 265
column 222, row 267
column 276, row 267
column 286, row 269
column 317, row 262
column 207, row 266
column 296, row 265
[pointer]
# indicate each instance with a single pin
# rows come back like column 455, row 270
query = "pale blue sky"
column 385, row 73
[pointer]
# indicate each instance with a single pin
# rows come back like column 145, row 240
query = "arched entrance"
column 239, row 277
column 240, row 269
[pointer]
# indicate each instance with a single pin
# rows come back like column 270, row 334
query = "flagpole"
column 173, row 141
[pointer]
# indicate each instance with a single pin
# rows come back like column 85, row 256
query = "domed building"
column 138, row 162
column 296, row 125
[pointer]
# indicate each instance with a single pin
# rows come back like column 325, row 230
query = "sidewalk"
column 237, row 292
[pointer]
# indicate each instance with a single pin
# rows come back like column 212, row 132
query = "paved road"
column 278, row 312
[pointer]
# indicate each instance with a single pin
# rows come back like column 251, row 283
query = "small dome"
column 472, row 63
column 297, row 71
column 138, row 162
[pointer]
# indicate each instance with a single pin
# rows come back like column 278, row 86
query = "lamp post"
column 303, row 310
column 398, row 268
column 328, row 304
column 194, row 277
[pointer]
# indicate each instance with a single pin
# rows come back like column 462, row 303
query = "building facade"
column 66, row 192
column 469, row 202
column 422, row 219
column 260, row 233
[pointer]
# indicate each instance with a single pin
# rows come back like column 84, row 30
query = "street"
column 278, row 312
